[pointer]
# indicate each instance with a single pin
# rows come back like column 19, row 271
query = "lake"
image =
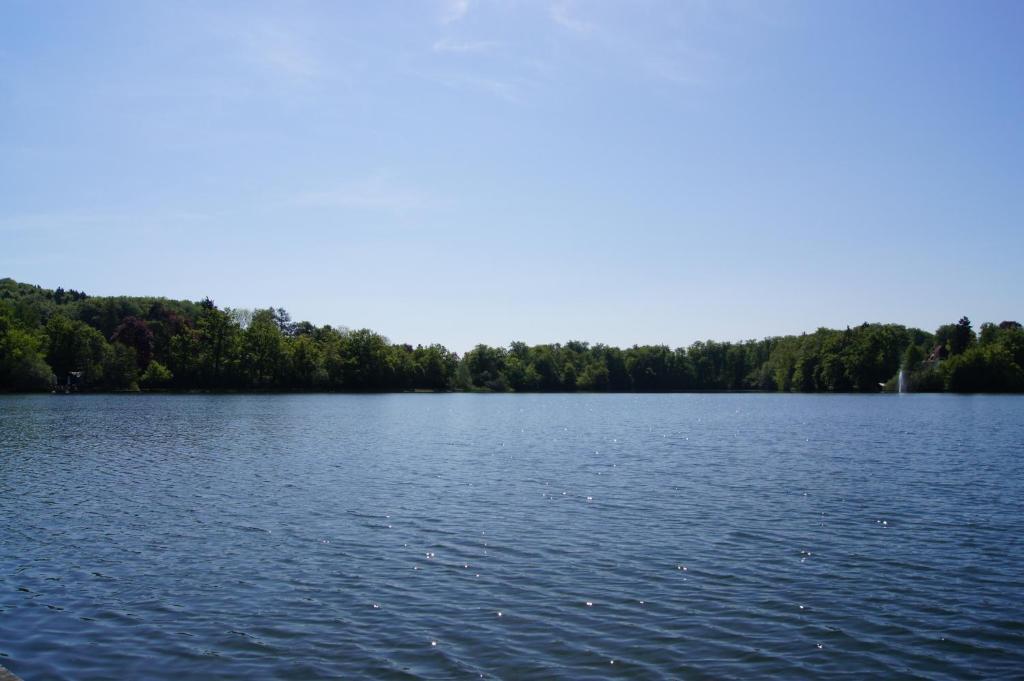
column 511, row 536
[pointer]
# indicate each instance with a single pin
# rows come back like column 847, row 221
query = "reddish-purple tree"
column 134, row 333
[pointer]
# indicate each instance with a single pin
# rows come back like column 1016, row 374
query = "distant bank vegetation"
column 70, row 341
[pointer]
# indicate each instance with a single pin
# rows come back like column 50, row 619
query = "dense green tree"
column 156, row 375
column 437, row 367
column 520, row 374
column 594, row 378
column 120, row 368
column 912, row 357
column 263, row 350
column 963, row 336
column 76, row 347
column 988, row 368
column 486, row 367
column 284, row 321
column 955, row 338
column 308, row 371
column 22, row 366
column 196, row 345
column 406, row 373
column 218, row 346
column 106, row 314
column 569, row 377
column 362, row 362
column 650, row 367
column 546, row 367
column 183, row 359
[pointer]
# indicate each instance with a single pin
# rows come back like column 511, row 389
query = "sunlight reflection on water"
column 524, row 536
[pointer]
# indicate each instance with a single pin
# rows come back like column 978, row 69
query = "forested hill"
column 66, row 338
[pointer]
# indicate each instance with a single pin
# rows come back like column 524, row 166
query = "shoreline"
column 708, row 391
column 7, row 675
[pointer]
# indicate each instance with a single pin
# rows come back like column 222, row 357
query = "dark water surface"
column 511, row 536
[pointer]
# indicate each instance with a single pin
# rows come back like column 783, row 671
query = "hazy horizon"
column 467, row 172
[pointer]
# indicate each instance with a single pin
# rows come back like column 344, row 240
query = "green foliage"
column 912, row 357
column 362, row 361
column 955, row 338
column 120, row 368
column 217, row 342
column 993, row 365
column 858, row 359
column 927, row 378
column 436, row 367
column 989, row 368
column 184, row 345
column 263, row 356
column 183, row 358
column 306, row 364
column 487, row 366
column 76, row 347
column 963, row 337
column 594, row 378
column 22, row 366
column 156, row 375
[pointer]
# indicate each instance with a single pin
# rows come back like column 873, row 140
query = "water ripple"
column 511, row 536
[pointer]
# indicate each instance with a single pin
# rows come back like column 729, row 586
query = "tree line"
column 57, row 339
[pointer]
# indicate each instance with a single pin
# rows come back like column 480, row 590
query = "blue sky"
column 468, row 171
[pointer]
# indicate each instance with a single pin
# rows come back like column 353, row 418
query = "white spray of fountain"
column 901, row 382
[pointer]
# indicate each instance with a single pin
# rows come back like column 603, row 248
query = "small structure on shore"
column 937, row 354
column 70, row 385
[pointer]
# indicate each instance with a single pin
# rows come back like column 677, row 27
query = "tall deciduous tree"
column 135, row 333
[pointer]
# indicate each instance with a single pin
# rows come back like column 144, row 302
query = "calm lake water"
column 511, row 536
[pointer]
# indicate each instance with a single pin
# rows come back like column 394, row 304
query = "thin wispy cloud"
column 279, row 51
column 287, row 54
column 506, row 90
column 682, row 66
column 562, row 13
column 272, row 46
column 377, row 192
column 58, row 221
column 642, row 48
column 454, row 10
column 463, row 46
